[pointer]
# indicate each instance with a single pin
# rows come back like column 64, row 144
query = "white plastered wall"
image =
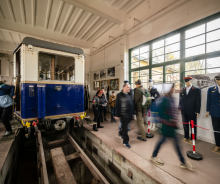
column 7, row 69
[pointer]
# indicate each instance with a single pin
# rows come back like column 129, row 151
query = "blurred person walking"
column 123, row 112
column 99, row 103
column 112, row 103
column 105, row 108
column 167, row 113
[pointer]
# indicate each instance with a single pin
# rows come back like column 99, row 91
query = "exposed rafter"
column 58, row 15
column 69, row 13
column 113, row 2
column 123, row 4
column 48, row 12
column 12, row 38
column 1, row 13
column 3, row 36
column 33, row 12
column 11, row 10
column 23, row 14
column 138, row 2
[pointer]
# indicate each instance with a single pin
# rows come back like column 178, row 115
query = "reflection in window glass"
column 144, row 62
column 173, row 68
column 195, row 41
column 195, row 51
column 213, row 46
column 134, row 65
column 215, row 24
column 172, row 77
column 133, row 80
column 157, row 70
column 172, row 39
column 144, row 73
column 135, row 52
column 144, row 49
column 135, row 59
column 145, row 55
column 195, row 31
column 214, row 35
column 145, row 85
column 196, row 72
column 213, row 62
column 157, row 78
column 135, row 74
column 159, row 59
column 159, row 44
column 133, row 86
column 172, row 48
column 172, row 56
column 213, row 70
column 158, row 52
column 144, row 79
column 195, row 65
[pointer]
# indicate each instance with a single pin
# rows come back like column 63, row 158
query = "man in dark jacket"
column 123, row 112
column 189, row 104
column 138, row 99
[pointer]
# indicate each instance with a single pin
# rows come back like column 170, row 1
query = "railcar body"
column 49, row 80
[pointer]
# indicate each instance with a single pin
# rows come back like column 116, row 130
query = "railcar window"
column 56, row 67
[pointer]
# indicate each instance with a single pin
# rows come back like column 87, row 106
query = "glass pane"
column 144, row 56
column 159, row 44
column 195, row 65
column 144, row 49
column 213, row 46
column 172, row 56
column 173, row 68
column 134, row 65
column 145, row 85
column 134, row 59
column 135, row 52
column 133, row 86
column 215, row 35
column 144, row 73
column 157, row 70
column 194, row 72
column 195, row 41
column 133, row 80
column 215, row 24
column 213, row 62
column 195, row 51
column 135, row 74
column 159, row 59
column 158, row 52
column 172, row 39
column 172, row 48
column 172, row 77
column 144, row 62
column 157, row 78
column 195, row 31
column 213, row 70
column 144, row 79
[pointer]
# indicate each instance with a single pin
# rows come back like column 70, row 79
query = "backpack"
column 146, row 99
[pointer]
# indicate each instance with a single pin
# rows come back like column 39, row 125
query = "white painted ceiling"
column 72, row 22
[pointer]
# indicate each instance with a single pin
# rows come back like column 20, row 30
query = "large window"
column 191, row 50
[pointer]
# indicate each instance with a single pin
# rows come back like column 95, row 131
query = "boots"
column 94, row 128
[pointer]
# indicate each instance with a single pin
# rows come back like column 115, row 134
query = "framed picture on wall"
column 102, row 74
column 96, row 76
column 114, row 84
column 111, row 72
column 96, row 85
column 104, row 84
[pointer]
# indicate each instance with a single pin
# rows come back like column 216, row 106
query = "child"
column 112, row 102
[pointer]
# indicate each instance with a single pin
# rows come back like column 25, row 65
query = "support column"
column 52, row 72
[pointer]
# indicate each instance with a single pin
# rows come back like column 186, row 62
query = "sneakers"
column 105, row 119
column 119, row 128
column 95, row 129
column 157, row 161
column 127, row 145
column 7, row 133
column 119, row 136
column 187, row 166
column 140, row 138
column 128, row 129
column 185, row 139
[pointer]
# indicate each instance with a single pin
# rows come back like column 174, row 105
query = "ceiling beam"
column 48, row 12
column 7, row 46
column 113, row 2
column 3, row 36
column 123, row 4
column 33, row 8
column 58, row 15
column 106, row 13
column 12, row 38
column 11, row 10
column 78, row 15
column 138, row 2
column 69, row 13
column 22, row 11
column 1, row 13
column 41, row 33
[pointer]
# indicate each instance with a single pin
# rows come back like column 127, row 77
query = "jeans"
column 5, row 116
column 112, row 114
column 120, row 124
column 124, row 131
column 161, row 141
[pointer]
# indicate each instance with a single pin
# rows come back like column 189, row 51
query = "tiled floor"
column 207, row 170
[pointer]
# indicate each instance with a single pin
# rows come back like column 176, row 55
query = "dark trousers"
column 5, row 116
column 216, row 127
column 124, row 131
column 98, row 116
column 187, row 119
column 112, row 114
column 176, row 142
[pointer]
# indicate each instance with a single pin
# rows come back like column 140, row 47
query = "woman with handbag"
column 6, row 103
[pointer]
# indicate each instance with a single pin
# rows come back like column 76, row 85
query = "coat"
column 138, row 99
column 112, row 101
column 190, row 104
column 213, row 101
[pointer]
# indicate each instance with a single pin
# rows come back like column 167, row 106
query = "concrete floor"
column 207, row 170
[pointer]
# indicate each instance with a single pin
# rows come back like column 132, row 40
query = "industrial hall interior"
column 109, row 91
